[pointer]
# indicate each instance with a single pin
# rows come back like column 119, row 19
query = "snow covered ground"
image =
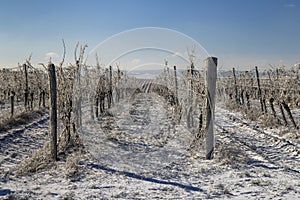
column 138, row 152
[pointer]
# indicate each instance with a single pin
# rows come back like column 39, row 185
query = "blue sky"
column 241, row 33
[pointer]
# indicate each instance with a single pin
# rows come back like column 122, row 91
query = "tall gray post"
column 259, row 90
column 211, row 79
column 53, row 110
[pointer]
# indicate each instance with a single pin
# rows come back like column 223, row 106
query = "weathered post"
column 91, row 100
column 297, row 71
column 235, row 87
column 78, row 98
column 40, row 99
column 176, row 85
column 288, row 110
column 118, row 86
column 211, row 78
column 43, row 96
column 12, row 99
column 110, row 88
column 259, row 90
column 53, row 110
column 248, row 100
column 282, row 113
column 97, row 106
column 165, row 73
column 31, row 100
column 26, row 91
column 97, row 97
column 271, row 101
column 265, row 105
column 242, row 97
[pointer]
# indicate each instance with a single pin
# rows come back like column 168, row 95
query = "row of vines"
column 23, row 88
column 272, row 94
column 186, row 91
column 27, row 88
column 92, row 91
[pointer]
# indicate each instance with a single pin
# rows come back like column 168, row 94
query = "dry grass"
column 197, row 144
column 42, row 159
column 268, row 120
column 39, row 159
column 252, row 114
column 21, row 119
column 231, row 154
column 232, row 105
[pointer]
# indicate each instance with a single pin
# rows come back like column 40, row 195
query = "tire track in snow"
column 141, row 137
column 279, row 152
column 18, row 144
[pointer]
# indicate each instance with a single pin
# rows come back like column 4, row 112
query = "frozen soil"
column 136, row 151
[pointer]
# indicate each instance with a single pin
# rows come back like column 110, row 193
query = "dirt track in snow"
column 274, row 152
column 20, row 142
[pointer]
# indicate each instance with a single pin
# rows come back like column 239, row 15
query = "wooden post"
column 40, row 99
column 31, row 100
column 89, row 95
column 97, row 106
column 191, row 89
column 265, row 105
column 176, row 86
column 298, row 70
column 259, row 90
column 235, row 87
column 165, row 73
column 98, row 96
column 78, row 99
column 43, row 95
column 69, row 115
column 271, row 101
column 53, row 110
column 242, row 97
column 248, row 100
column 190, row 120
column 110, row 88
column 211, row 78
column 26, row 91
column 288, row 110
column 12, row 99
column 118, row 86
column 282, row 113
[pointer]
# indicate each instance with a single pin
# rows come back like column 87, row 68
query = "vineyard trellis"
column 79, row 86
column 187, row 95
column 22, row 84
column 101, row 88
column 272, row 93
column 96, row 88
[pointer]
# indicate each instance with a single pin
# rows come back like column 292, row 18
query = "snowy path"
column 136, row 151
column 274, row 152
column 18, row 144
column 140, row 138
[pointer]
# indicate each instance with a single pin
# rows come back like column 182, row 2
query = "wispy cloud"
column 289, row 5
column 51, row 55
